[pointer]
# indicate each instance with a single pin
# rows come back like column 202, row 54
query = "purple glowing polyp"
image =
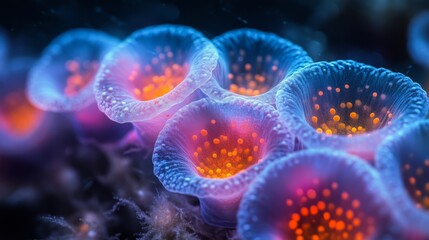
column 213, row 150
column 403, row 162
column 317, row 194
column 252, row 64
column 152, row 74
column 349, row 105
column 63, row 79
column 23, row 127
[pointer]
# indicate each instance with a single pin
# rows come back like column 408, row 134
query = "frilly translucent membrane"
column 63, row 79
column 349, row 105
column 403, row 161
column 252, row 64
column 317, row 194
column 152, row 74
column 22, row 125
column 418, row 39
column 213, row 150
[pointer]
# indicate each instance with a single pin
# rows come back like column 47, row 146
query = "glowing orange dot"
column 321, row 205
column 336, row 118
column 296, row 217
column 314, row 210
column 194, row 137
column 216, row 141
column 311, row 194
column 304, row 211
column 349, row 105
column 355, row 203
column 314, row 119
column 326, row 216
column 204, row 132
column 320, row 93
column 376, row 120
column 240, row 141
column 353, row 115
column 332, row 111
column 316, row 106
column 213, row 121
column 340, row 225
column 293, row 224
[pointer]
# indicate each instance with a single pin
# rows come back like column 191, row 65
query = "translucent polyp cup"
column 63, row 79
column 348, row 105
column 252, row 64
column 403, row 162
column 152, row 74
column 318, row 194
column 214, row 150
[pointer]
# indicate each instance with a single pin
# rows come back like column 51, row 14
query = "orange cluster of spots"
column 252, row 80
column 224, row 155
column 19, row 114
column 326, row 213
column 80, row 74
column 159, row 77
column 348, row 118
column 417, row 183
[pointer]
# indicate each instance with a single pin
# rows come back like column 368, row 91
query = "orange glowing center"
column 347, row 118
column 80, row 74
column 224, row 155
column 417, row 183
column 252, row 80
column 319, row 213
column 19, row 114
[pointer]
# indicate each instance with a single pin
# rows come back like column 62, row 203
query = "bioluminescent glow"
column 317, row 194
column 213, row 150
column 418, row 39
column 4, row 48
column 349, row 105
column 152, row 74
column 62, row 79
column 403, row 161
column 252, row 64
column 22, row 125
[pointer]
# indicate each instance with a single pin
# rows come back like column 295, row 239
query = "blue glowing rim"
column 248, row 214
column 174, row 171
column 291, row 53
column 120, row 106
column 40, row 90
column 388, row 165
column 292, row 111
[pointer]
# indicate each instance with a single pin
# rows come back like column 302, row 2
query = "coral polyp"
column 213, row 150
column 403, row 161
column 22, row 125
column 252, row 64
column 418, row 38
column 317, row 194
column 152, row 74
column 349, row 105
column 62, row 79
